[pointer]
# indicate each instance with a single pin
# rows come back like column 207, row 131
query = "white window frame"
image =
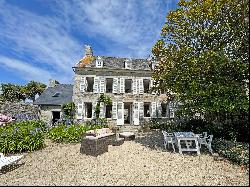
column 99, row 62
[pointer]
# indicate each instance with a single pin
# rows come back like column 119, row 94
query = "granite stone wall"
column 20, row 111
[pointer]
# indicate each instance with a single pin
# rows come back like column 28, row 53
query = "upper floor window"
column 99, row 62
column 128, row 64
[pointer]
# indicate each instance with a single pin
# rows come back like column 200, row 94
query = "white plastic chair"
column 202, row 139
column 7, row 160
column 209, row 143
column 168, row 139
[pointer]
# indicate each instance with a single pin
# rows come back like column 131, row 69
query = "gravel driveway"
column 139, row 162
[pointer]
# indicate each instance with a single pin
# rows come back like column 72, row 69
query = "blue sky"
column 43, row 39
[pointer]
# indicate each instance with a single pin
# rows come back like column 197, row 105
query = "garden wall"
column 20, row 111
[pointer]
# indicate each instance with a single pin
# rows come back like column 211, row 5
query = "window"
column 90, row 84
column 128, row 85
column 109, row 85
column 163, row 109
column 99, row 62
column 146, row 110
column 146, row 83
column 108, row 110
column 128, row 64
column 56, row 94
column 88, row 110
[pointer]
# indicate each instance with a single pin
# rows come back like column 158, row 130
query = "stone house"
column 127, row 81
column 52, row 98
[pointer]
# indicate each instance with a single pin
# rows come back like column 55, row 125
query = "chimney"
column 88, row 50
column 53, row 83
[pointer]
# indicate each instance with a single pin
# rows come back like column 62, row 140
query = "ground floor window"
column 88, row 110
column 108, row 113
column 146, row 110
column 164, row 109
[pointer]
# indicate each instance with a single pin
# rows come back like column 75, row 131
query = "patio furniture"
column 127, row 136
column 190, row 140
column 7, row 160
column 95, row 142
column 208, row 143
column 168, row 139
column 202, row 139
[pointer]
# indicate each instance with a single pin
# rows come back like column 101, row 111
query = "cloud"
column 134, row 24
column 52, row 43
column 26, row 70
column 42, row 40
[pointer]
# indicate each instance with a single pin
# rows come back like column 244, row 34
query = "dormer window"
column 56, row 94
column 99, row 62
column 128, row 64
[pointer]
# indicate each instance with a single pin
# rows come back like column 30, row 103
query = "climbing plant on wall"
column 105, row 99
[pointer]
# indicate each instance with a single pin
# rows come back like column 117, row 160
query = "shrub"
column 69, row 134
column 235, row 151
column 22, row 136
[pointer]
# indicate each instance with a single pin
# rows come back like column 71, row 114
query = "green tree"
column 33, row 88
column 203, row 56
column 105, row 99
column 69, row 111
column 12, row 92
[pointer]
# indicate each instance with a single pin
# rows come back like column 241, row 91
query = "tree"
column 12, row 92
column 69, row 111
column 203, row 56
column 33, row 88
column 102, row 99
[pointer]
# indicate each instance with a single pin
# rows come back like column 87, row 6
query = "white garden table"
column 189, row 138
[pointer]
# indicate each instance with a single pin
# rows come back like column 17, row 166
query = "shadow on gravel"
column 154, row 140
column 9, row 168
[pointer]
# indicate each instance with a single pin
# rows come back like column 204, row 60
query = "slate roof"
column 65, row 96
column 118, row 63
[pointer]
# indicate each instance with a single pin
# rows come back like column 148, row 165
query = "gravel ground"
column 139, row 162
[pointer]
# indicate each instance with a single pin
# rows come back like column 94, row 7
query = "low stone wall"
column 20, row 111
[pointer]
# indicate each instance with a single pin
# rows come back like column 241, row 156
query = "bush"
column 22, row 136
column 235, row 151
column 69, row 134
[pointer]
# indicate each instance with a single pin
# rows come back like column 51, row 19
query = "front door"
column 55, row 116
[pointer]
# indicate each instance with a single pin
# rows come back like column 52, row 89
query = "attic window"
column 99, row 62
column 127, row 64
column 56, row 94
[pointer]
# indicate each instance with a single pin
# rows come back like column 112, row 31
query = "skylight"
column 56, row 94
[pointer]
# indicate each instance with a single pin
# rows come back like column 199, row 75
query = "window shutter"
column 83, row 84
column 159, row 109
column 101, row 110
column 93, row 109
column 102, row 85
column 80, row 110
column 122, row 85
column 171, row 113
column 134, row 86
column 136, row 113
column 141, row 110
column 152, row 85
column 120, row 113
column 96, row 85
column 115, row 85
column 141, row 90
column 114, row 110
column 153, row 109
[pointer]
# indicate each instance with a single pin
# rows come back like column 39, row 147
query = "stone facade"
column 46, row 113
column 20, row 111
column 127, row 81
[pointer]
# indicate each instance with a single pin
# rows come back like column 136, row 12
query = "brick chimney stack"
column 53, row 83
column 88, row 50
